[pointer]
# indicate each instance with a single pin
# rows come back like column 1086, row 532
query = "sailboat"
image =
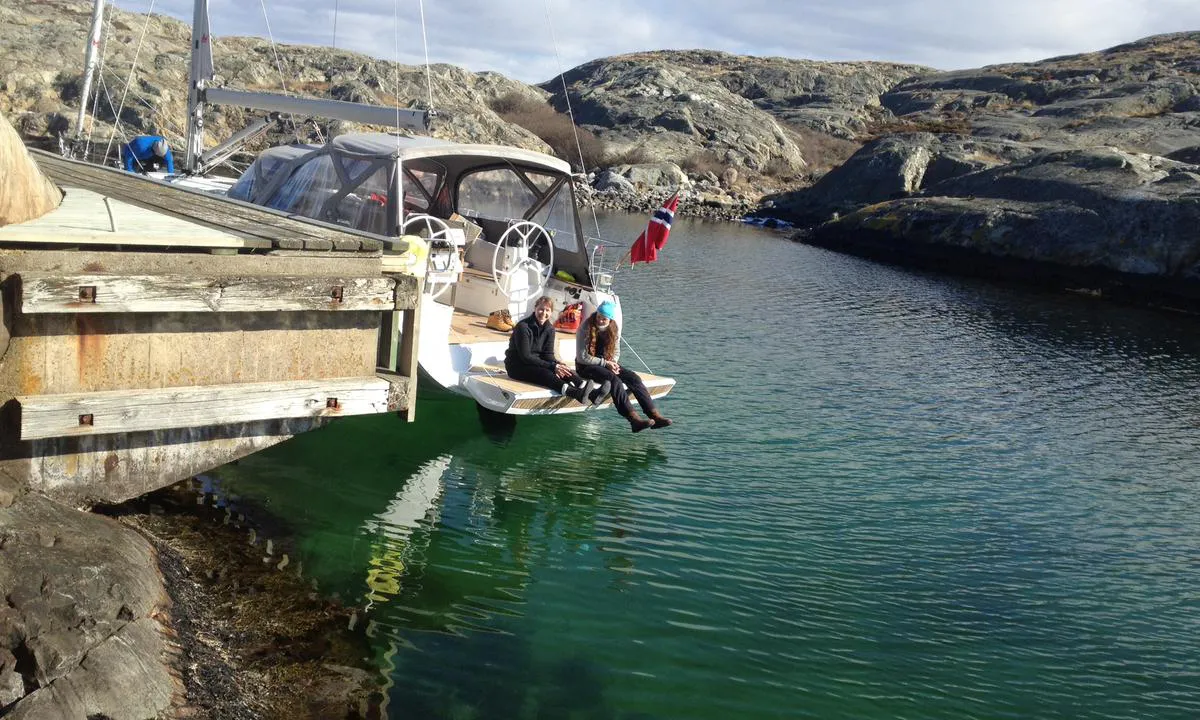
column 490, row 228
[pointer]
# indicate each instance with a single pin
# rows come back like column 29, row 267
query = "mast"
column 90, row 62
column 199, row 75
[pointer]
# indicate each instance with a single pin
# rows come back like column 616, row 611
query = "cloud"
column 515, row 37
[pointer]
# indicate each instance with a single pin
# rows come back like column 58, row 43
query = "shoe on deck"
column 497, row 321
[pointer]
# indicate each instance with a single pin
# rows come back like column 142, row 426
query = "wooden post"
column 407, row 364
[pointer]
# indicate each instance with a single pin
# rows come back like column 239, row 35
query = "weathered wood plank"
column 89, row 218
column 122, row 411
column 408, row 291
column 46, row 293
column 82, row 471
column 403, row 392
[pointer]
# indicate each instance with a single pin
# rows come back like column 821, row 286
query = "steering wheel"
column 524, row 235
column 435, row 229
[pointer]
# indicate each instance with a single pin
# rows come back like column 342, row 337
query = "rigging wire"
column 570, row 111
column 396, row 76
column 396, row 66
column 335, row 19
column 132, row 69
column 635, row 354
column 397, row 182
column 278, row 63
column 428, row 70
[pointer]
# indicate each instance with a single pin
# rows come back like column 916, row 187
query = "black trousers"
column 539, row 375
column 620, row 381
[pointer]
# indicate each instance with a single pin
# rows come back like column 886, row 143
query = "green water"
column 887, row 495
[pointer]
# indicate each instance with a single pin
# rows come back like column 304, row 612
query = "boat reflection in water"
column 416, row 503
column 450, row 603
column 443, row 558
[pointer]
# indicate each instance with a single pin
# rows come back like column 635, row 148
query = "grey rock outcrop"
column 652, row 175
column 1097, row 217
column 82, row 632
column 1140, row 97
column 896, row 166
column 746, row 111
column 1078, row 170
column 611, row 181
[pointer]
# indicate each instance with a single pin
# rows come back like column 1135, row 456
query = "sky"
column 534, row 40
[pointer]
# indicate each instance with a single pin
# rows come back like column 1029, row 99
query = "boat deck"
column 467, row 327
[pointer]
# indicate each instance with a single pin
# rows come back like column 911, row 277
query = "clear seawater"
column 887, row 494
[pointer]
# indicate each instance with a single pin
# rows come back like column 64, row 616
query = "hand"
column 612, row 365
column 562, row 371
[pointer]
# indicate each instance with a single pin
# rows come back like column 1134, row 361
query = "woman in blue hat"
column 597, row 348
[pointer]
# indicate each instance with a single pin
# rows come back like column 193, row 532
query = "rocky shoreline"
column 691, row 204
column 193, row 619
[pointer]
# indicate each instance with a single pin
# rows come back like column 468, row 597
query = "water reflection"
column 501, row 516
column 391, row 532
column 445, row 554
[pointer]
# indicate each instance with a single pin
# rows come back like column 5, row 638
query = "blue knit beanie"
column 607, row 309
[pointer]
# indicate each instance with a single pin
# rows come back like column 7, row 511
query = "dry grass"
column 706, row 161
column 633, row 156
column 821, row 151
column 554, row 128
column 956, row 124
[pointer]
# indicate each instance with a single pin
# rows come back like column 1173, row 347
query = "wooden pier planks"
column 91, row 218
column 255, row 226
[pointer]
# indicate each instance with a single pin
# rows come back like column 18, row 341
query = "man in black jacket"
column 530, row 357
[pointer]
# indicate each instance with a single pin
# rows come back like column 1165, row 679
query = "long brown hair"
column 606, row 342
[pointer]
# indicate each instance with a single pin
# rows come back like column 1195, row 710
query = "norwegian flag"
column 645, row 248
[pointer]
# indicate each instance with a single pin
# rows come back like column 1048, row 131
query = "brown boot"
column 658, row 420
column 500, row 320
column 637, row 423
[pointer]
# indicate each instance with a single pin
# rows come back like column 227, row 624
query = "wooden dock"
column 151, row 333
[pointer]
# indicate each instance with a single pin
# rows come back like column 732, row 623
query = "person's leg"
column 584, row 386
column 545, row 377
column 619, row 397
column 602, row 375
column 535, row 374
column 635, row 385
column 634, row 382
column 621, row 402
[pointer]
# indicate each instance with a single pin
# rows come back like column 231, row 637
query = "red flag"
column 645, row 248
